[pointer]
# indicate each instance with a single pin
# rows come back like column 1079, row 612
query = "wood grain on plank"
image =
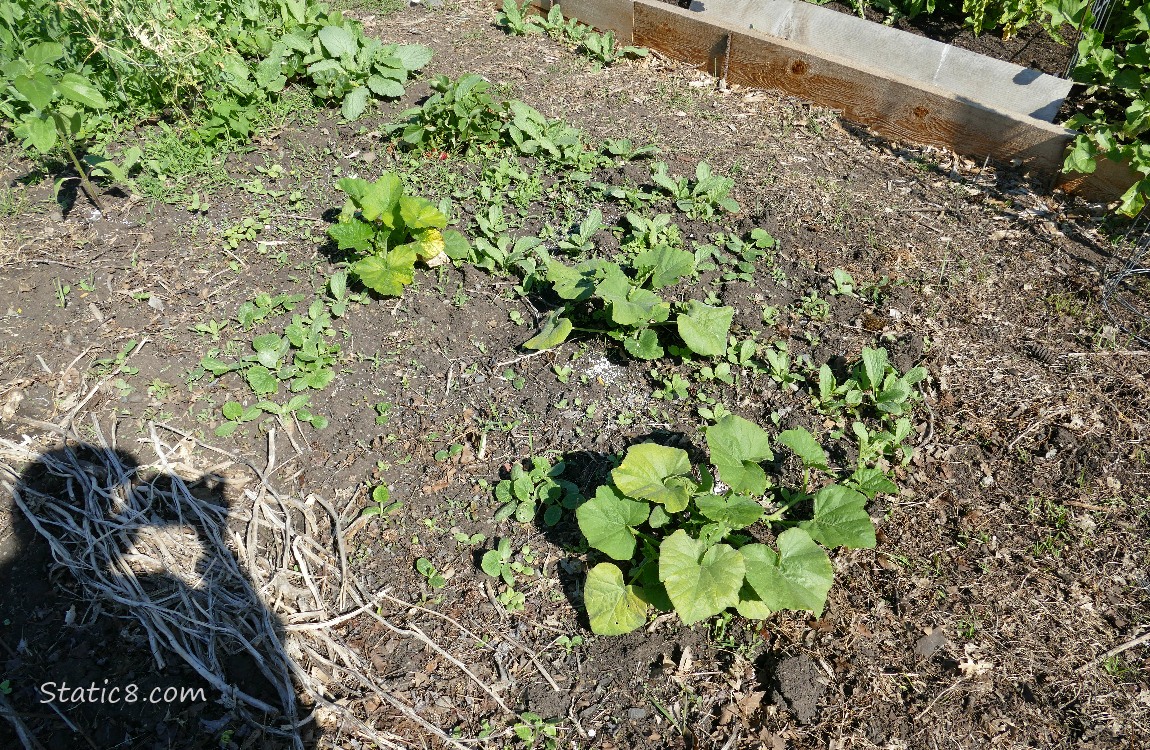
column 605, row 15
column 681, row 35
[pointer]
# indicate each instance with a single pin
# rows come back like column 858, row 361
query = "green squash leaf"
column 644, row 345
column 704, row 328
column 612, row 607
column 803, row 443
column 608, row 521
column 385, row 87
column 420, row 213
column 656, row 473
column 352, row 235
column 736, row 511
column 413, row 56
column 389, row 273
column 798, row 576
column 701, row 582
column 872, row 482
column 554, row 332
column 841, row 519
column 737, row 447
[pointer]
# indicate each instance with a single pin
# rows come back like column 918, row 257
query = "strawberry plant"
column 389, row 231
column 678, row 541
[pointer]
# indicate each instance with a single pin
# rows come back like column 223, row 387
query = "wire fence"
column 1126, row 292
column 1101, row 10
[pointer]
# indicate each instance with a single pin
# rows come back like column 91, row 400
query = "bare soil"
column 1013, row 561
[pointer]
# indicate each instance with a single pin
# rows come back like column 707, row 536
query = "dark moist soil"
column 1031, row 47
column 1011, row 562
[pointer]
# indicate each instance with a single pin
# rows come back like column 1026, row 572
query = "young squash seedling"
column 390, row 231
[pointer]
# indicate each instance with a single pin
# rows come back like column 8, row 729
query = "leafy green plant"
column 383, row 505
column 534, row 730
column 605, row 49
column 434, row 578
column 458, row 116
column 677, row 536
column 628, row 307
column 579, row 241
column 516, row 19
column 501, row 563
column 525, row 493
column 1116, row 70
column 701, row 198
column 844, row 283
column 874, row 384
column 390, row 231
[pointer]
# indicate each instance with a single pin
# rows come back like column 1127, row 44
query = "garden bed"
column 1009, row 564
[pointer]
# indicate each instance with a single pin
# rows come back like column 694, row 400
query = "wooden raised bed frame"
column 889, row 105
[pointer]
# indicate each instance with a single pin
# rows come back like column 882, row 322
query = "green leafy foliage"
column 67, row 69
column 603, row 48
column 389, row 231
column 622, row 300
column 526, row 494
column 701, row 198
column 676, row 543
column 874, row 386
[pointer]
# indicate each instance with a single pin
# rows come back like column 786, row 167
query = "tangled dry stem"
column 193, row 598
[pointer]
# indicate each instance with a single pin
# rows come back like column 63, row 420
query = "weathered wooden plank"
column 681, row 36
column 891, row 106
column 605, row 15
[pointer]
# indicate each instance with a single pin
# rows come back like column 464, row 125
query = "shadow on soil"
column 79, row 668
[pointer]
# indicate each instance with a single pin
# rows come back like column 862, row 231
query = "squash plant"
column 626, row 303
column 390, row 231
column 678, row 540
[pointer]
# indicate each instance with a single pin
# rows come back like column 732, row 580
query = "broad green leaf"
column 737, row 447
column 701, row 582
column 874, row 367
column 352, row 235
column 645, row 345
column 80, row 90
column 385, row 87
column 44, row 53
column 840, row 519
column 227, row 428
column 554, row 332
column 455, row 245
column 575, row 284
column 655, row 472
column 736, row 511
column 413, row 56
column 612, row 607
column 419, row 213
column 380, row 198
column 872, row 482
column 354, row 103
column 216, row 366
column 704, row 328
column 751, row 604
column 387, row 274
column 36, row 89
column 338, row 41
column 827, row 384
column 798, row 576
column 805, row 446
column 40, row 133
column 233, row 410
column 261, row 380
column 608, row 521
column 665, row 264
